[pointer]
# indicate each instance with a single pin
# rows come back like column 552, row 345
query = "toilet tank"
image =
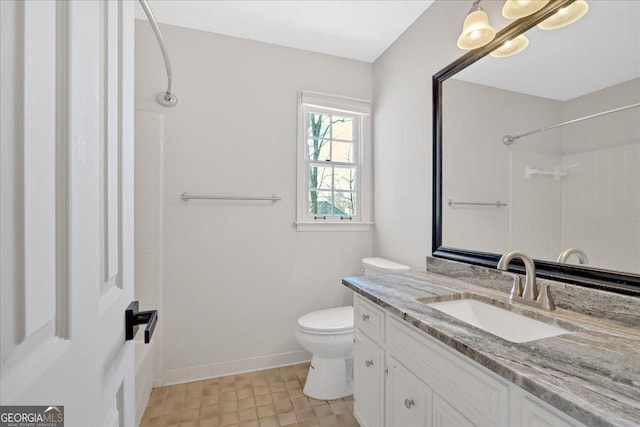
column 372, row 266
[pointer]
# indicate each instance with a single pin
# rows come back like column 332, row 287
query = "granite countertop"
column 592, row 374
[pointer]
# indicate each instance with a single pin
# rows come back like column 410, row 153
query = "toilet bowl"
column 328, row 336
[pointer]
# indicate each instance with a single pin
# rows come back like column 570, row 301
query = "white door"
column 66, row 195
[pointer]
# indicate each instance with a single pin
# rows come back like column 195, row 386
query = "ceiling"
column 359, row 29
column 599, row 50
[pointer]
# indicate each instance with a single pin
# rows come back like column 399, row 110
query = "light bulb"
column 476, row 31
column 515, row 9
column 565, row 16
column 511, row 47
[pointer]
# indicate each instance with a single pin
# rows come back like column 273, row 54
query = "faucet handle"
column 516, row 290
column 545, row 300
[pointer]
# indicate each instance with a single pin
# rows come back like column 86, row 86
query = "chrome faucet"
column 528, row 295
column 582, row 257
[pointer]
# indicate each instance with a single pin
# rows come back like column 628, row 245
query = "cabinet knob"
column 409, row 403
column 365, row 317
column 369, row 363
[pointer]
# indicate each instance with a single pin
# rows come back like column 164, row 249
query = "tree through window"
column 331, row 164
column 334, row 163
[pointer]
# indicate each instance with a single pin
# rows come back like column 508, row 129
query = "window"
column 333, row 163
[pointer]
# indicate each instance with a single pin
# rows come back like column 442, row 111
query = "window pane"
column 319, row 149
column 342, row 128
column 345, row 203
column 342, row 152
column 319, row 177
column 318, row 125
column 320, row 202
column 345, row 178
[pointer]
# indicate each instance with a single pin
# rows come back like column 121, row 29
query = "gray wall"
column 238, row 275
column 403, row 131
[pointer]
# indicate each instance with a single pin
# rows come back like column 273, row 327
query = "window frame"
column 360, row 111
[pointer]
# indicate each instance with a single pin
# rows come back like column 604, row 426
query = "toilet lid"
column 329, row 320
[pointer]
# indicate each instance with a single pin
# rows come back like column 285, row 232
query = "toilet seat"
column 332, row 321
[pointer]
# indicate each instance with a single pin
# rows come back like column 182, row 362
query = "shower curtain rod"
column 510, row 139
column 167, row 98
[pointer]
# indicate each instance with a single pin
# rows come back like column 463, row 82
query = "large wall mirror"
column 507, row 178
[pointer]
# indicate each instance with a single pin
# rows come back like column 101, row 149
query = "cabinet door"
column 369, row 318
column 408, row 398
column 536, row 413
column 368, row 371
column 445, row 415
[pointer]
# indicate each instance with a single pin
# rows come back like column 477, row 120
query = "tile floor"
column 270, row 398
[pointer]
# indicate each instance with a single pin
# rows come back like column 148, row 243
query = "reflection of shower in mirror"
column 557, row 174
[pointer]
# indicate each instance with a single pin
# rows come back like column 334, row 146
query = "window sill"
column 333, row 226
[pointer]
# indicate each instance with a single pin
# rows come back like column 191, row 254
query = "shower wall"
column 237, row 275
column 601, row 195
column 602, row 204
column 535, row 221
column 148, row 224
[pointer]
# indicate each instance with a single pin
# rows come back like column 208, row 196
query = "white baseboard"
column 157, row 382
column 215, row 370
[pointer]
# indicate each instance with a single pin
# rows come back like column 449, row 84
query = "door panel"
column 445, row 415
column 66, row 221
column 38, row 165
column 408, row 398
column 368, row 366
column 111, row 132
column 34, row 239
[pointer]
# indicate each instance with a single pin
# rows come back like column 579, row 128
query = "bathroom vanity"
column 417, row 366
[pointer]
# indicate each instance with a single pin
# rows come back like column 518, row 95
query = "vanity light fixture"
column 516, row 9
column 476, row 31
column 565, row 16
column 511, row 47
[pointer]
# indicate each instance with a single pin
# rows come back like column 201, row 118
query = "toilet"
column 328, row 336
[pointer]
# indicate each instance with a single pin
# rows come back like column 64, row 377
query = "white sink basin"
column 497, row 321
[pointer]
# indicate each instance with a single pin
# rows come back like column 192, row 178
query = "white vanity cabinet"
column 369, row 364
column 406, row 378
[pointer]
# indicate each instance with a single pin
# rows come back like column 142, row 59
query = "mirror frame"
column 614, row 281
